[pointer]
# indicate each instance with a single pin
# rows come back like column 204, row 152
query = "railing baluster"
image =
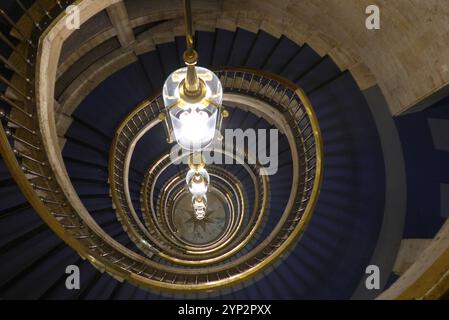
column 130, row 266
column 82, row 237
column 146, row 114
column 121, row 142
column 290, row 102
column 14, row 105
column 140, row 119
column 94, row 247
column 25, row 156
column 302, row 116
column 29, row 16
column 308, row 137
column 14, row 48
column 135, row 124
column 13, row 68
column 13, row 25
column 69, row 226
column 250, row 83
column 38, row 187
column 258, row 89
column 45, row 11
column 274, row 91
column 282, row 96
column 61, row 215
column 225, row 78
column 154, row 272
column 118, row 159
column 3, row 115
column 107, row 254
column 34, row 173
column 15, row 89
column 241, row 83
column 10, row 134
column 125, row 135
column 311, row 168
column 118, row 260
column 45, row 200
column 233, row 80
column 309, row 148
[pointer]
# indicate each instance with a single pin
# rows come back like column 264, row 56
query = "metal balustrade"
column 155, row 219
column 24, row 152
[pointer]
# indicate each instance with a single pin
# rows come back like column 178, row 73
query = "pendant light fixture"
column 192, row 97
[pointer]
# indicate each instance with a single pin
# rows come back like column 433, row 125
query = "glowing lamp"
column 193, row 106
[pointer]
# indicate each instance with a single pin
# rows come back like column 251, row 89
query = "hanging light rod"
column 188, row 25
column 193, row 90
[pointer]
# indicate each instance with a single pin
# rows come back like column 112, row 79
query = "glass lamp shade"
column 198, row 182
column 199, row 207
column 193, row 124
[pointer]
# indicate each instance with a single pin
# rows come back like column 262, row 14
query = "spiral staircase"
column 306, row 232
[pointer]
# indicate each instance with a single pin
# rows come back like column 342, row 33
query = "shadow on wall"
column 425, row 140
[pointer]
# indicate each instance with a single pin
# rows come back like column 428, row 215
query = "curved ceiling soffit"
column 328, row 26
column 100, row 70
column 338, row 28
column 89, row 79
column 207, row 19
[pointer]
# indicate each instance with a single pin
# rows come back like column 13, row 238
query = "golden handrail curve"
column 32, row 192
column 120, row 155
column 230, row 189
column 83, row 235
column 254, row 222
column 318, row 160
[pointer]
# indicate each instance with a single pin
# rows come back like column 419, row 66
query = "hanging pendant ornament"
column 197, row 181
column 192, row 98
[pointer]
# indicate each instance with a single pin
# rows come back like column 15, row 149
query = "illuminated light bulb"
column 199, row 206
column 196, row 129
column 193, row 120
column 198, row 182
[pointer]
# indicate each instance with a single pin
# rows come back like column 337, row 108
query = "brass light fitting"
column 192, row 90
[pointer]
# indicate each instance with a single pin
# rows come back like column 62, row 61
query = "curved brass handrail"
column 261, row 188
column 164, row 197
column 308, row 170
column 125, row 139
column 223, row 187
column 60, row 209
column 38, row 183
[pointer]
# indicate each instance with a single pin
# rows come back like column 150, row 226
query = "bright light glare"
column 194, row 126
